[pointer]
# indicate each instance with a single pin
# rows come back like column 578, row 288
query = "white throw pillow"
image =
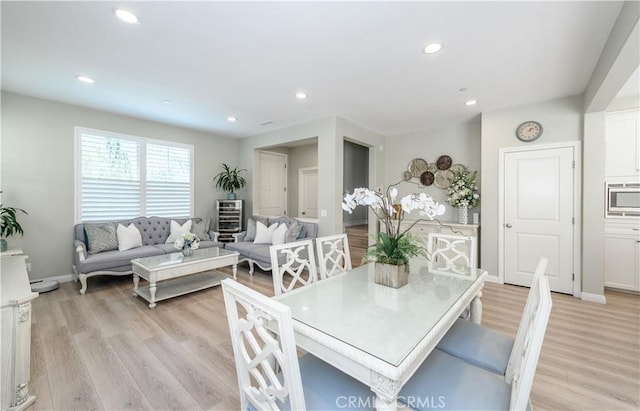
column 178, row 230
column 280, row 235
column 128, row 237
column 264, row 235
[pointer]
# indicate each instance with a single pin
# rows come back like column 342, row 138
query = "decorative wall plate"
column 406, row 175
column 444, row 162
column 426, row 178
column 456, row 168
column 417, row 166
column 443, row 178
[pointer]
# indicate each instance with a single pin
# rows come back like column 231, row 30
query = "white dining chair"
column 458, row 385
column 294, row 262
column 483, row 346
column 453, row 249
column 333, row 255
column 270, row 374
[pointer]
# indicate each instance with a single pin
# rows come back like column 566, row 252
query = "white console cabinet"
column 622, row 256
column 15, row 351
column 423, row 228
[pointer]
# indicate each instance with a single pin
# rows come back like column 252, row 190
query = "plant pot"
column 231, row 196
column 463, row 215
column 3, row 245
column 394, row 276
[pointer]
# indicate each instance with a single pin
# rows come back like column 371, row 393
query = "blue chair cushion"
column 448, row 383
column 478, row 345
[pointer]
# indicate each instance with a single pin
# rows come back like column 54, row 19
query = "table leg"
column 152, row 294
column 235, row 271
column 384, row 405
column 476, row 308
column 136, row 281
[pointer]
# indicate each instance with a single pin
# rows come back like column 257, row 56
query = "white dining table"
column 377, row 334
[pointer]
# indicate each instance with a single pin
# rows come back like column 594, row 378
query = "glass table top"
column 166, row 260
column 382, row 321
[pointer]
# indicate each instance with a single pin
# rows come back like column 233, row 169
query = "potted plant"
column 9, row 224
column 230, row 180
column 393, row 247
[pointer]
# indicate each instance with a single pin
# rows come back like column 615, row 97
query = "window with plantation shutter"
column 120, row 177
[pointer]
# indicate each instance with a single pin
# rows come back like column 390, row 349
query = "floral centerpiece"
column 187, row 243
column 393, row 246
column 463, row 193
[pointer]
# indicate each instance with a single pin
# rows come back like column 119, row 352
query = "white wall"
column 38, row 170
column 562, row 120
column 461, row 142
column 299, row 157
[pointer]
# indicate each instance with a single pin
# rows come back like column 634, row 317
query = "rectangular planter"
column 394, row 276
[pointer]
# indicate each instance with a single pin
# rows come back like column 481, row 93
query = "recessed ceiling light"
column 470, row 102
column 126, row 16
column 300, row 95
column 85, row 79
column 232, row 119
column 432, row 48
column 166, row 101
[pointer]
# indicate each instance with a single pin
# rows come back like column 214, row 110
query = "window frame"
column 142, row 141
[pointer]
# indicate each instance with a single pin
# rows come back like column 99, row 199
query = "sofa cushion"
column 178, row 230
column 128, row 237
column 279, row 235
column 201, row 229
column 243, row 247
column 107, row 260
column 264, row 234
column 100, row 237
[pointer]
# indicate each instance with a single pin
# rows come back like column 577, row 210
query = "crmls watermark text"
column 421, row 402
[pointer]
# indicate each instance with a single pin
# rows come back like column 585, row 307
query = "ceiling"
column 358, row 60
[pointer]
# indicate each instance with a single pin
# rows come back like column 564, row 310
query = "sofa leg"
column 250, row 267
column 83, row 282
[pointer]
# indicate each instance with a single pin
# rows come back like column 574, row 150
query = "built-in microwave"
column 623, row 200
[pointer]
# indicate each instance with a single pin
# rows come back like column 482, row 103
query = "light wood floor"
column 107, row 350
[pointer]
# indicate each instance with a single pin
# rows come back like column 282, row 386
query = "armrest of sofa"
column 214, row 235
column 239, row 236
column 80, row 250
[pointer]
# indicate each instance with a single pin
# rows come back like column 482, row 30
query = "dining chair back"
column 271, row 376
column 333, row 255
column 453, row 249
column 298, row 268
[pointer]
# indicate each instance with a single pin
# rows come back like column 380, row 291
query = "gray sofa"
column 154, row 232
column 258, row 254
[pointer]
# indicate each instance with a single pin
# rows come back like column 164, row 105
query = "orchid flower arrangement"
column 394, row 246
column 188, row 240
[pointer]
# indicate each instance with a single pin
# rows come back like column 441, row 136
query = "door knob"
column 508, row 225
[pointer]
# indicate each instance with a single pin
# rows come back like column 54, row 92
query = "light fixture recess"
column 126, row 16
column 232, row 119
column 432, row 48
column 301, row 95
column 166, row 101
column 85, row 79
column 470, row 102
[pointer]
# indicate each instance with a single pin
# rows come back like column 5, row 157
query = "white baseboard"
column 493, row 279
column 60, row 278
column 355, row 222
column 594, row 298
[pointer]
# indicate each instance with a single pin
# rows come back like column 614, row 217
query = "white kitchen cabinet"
column 622, row 144
column 15, row 351
column 622, row 256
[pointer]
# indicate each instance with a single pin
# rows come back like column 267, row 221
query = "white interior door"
column 308, row 192
column 272, row 183
column 539, row 215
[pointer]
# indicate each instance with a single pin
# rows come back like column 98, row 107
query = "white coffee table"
column 171, row 275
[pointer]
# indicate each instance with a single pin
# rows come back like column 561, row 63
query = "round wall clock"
column 529, row 131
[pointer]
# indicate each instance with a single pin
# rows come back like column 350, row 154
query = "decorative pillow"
column 128, row 237
column 251, row 227
column 178, row 230
column 201, row 229
column 101, row 237
column 302, row 234
column 293, row 232
column 264, row 234
column 279, row 235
